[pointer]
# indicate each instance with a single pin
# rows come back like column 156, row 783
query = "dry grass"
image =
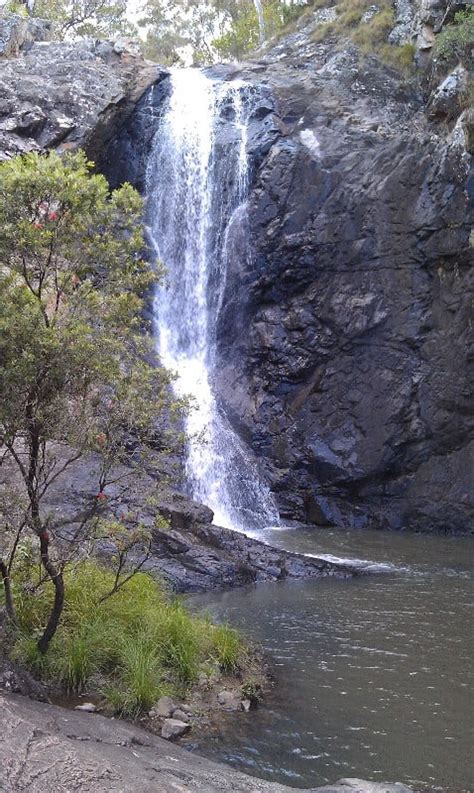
column 371, row 36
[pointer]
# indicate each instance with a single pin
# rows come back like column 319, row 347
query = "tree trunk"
column 58, row 604
column 9, row 605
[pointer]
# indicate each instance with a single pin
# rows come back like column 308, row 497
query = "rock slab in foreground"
column 46, row 748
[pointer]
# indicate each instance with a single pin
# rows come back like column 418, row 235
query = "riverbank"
column 46, row 748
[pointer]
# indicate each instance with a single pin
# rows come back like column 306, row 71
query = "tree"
column 73, row 18
column 208, row 30
column 77, row 379
column 178, row 29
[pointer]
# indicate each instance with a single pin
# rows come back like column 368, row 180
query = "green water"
column 373, row 674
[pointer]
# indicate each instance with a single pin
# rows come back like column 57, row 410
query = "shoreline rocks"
column 44, row 747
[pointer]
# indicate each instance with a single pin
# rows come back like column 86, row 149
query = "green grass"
column 134, row 647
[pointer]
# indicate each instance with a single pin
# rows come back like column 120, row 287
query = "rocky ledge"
column 46, row 748
column 204, row 556
column 65, row 94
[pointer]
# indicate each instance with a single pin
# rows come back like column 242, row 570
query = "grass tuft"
column 139, row 644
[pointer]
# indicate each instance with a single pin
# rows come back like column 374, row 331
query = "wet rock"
column 342, row 363
column 87, row 707
column 173, row 729
column 163, row 709
column 45, row 748
column 362, row 786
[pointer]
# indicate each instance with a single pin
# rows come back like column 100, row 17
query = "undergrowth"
column 133, row 647
column 456, row 41
column 370, row 33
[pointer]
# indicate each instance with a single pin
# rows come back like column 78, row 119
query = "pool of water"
column 373, row 674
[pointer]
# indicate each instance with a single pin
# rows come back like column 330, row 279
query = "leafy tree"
column 98, row 18
column 181, row 28
column 77, row 379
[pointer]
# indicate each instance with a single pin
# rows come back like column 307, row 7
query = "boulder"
column 163, row 709
column 173, row 729
column 18, row 33
column 180, row 715
column 229, row 700
column 449, row 99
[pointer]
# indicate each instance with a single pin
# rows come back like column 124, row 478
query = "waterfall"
column 196, row 192
column 261, row 20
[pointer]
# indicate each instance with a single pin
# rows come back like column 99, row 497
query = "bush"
column 134, row 646
column 456, row 42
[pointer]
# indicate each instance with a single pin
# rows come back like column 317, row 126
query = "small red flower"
column 101, row 496
column 37, row 225
column 53, row 216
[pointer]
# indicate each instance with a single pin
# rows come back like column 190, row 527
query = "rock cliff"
column 64, row 95
column 349, row 373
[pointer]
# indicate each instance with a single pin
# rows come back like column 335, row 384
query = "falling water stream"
column 261, row 20
column 197, row 187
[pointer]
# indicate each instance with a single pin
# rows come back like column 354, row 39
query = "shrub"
column 134, row 646
column 456, row 41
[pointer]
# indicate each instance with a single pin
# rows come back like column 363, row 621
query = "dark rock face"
column 207, row 557
column 344, row 339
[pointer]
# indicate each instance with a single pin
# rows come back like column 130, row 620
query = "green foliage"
column 242, row 34
column 456, row 41
column 208, row 30
column 371, row 35
column 78, row 18
column 16, row 8
column 136, row 645
column 227, row 647
column 76, row 376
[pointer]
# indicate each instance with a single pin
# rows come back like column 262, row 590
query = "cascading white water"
column 261, row 20
column 196, row 201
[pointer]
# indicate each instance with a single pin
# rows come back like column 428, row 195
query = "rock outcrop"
column 192, row 554
column 65, row 94
column 345, row 357
column 45, row 748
